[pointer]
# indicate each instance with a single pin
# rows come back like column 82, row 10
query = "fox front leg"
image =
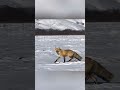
column 57, row 59
column 64, row 60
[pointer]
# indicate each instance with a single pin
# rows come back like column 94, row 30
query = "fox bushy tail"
column 103, row 73
column 77, row 56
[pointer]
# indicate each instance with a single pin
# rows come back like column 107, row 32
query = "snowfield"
column 59, row 76
column 107, row 86
column 103, row 44
column 59, row 80
column 68, row 66
column 60, row 24
column 45, row 54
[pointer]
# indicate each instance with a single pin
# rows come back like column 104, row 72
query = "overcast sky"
column 60, row 8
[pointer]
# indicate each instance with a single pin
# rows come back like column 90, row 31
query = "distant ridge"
column 58, row 32
column 102, row 4
column 11, row 14
column 102, row 11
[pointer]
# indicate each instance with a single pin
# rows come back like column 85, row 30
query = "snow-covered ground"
column 60, row 24
column 59, row 80
column 104, row 86
column 103, row 44
column 45, row 54
column 60, row 76
column 17, row 60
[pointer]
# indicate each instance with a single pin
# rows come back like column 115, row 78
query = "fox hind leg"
column 70, row 59
column 94, row 79
column 92, row 76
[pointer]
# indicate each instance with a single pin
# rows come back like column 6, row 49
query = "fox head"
column 57, row 50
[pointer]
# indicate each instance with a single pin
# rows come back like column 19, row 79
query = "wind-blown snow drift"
column 60, row 24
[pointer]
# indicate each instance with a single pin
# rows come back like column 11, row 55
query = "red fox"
column 93, row 68
column 64, row 53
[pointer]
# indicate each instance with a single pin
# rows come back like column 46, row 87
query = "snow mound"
column 60, row 24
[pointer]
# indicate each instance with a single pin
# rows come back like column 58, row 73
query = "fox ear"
column 55, row 48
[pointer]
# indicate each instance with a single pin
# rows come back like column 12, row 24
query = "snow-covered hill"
column 9, row 3
column 102, row 4
column 60, row 24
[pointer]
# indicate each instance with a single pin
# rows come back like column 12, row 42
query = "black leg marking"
column 70, row 60
column 64, row 59
column 57, row 59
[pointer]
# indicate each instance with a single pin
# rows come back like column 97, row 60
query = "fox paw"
column 56, row 62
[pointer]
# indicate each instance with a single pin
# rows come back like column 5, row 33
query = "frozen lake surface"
column 45, row 54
